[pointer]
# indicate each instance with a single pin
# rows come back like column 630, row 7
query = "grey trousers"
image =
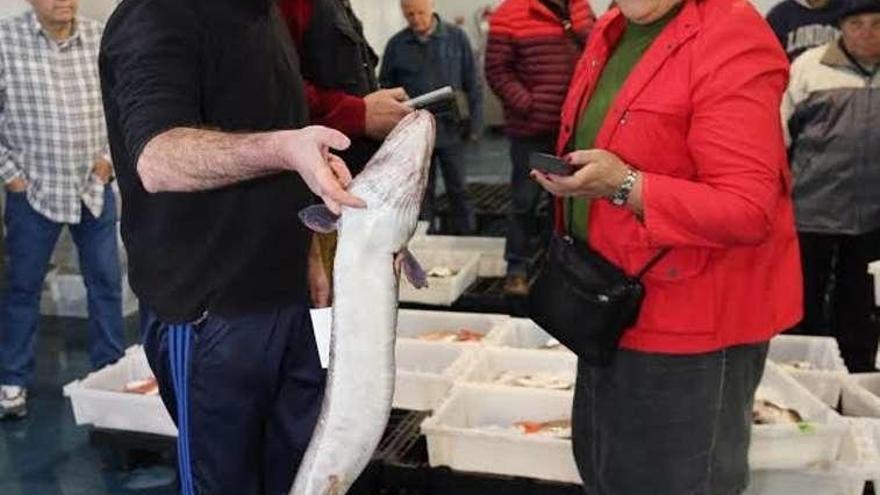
column 667, row 425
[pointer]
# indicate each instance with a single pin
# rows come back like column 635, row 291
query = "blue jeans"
column 255, row 389
column 30, row 240
column 450, row 161
column 524, row 229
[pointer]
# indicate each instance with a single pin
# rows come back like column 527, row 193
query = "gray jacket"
column 831, row 113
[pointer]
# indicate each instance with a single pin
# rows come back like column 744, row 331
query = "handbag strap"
column 652, row 263
column 569, row 213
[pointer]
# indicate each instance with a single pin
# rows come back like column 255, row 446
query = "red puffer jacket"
column 699, row 117
column 529, row 62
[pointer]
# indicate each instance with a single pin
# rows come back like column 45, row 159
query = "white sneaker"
column 13, row 402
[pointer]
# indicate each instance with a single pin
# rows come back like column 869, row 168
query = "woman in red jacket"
column 673, row 111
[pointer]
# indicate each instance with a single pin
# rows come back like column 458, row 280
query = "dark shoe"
column 516, row 285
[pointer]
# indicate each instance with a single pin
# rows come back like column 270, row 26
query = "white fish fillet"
column 360, row 376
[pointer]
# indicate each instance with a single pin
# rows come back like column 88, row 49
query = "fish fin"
column 319, row 218
column 412, row 269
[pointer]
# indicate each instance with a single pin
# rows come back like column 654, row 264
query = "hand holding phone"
column 550, row 164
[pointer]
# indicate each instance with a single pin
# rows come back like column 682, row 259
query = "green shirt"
column 632, row 45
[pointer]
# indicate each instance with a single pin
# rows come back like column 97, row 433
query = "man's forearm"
column 185, row 160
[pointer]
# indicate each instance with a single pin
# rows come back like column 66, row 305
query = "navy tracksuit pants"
column 253, row 386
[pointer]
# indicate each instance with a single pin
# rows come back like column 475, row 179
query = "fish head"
column 393, row 183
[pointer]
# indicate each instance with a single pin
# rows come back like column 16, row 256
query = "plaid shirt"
column 52, row 128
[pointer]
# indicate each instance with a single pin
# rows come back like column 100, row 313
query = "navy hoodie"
column 800, row 27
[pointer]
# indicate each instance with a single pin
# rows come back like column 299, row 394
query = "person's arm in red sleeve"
column 500, row 59
column 297, row 14
column 332, row 108
column 736, row 141
column 336, row 109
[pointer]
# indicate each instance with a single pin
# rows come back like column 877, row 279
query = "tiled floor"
column 47, row 454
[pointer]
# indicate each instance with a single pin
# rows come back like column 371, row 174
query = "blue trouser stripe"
column 180, row 342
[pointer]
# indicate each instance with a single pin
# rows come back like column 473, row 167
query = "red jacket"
column 529, row 62
column 328, row 107
column 699, row 117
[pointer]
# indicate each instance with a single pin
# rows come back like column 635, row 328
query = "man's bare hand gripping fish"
column 371, row 251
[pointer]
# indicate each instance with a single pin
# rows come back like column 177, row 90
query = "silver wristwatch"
column 621, row 196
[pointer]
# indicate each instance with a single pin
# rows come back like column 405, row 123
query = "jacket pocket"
column 653, row 138
column 680, row 294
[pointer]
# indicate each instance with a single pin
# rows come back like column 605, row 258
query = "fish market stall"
column 526, row 334
column 458, row 328
column 857, row 461
column 812, row 437
column 450, row 273
column 426, row 371
column 110, row 398
column 485, row 400
column 489, row 249
column 504, row 430
column 525, row 368
column 815, row 362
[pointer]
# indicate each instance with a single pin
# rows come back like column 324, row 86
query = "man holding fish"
column 206, row 112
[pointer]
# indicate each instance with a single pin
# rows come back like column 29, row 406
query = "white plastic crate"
column 856, row 464
column 426, row 372
column 874, row 269
column 442, row 291
column 861, row 395
column 99, row 400
column 489, row 249
column 490, row 362
column 524, row 333
column 457, row 436
column 872, row 425
column 828, row 372
column 413, row 323
column 814, row 442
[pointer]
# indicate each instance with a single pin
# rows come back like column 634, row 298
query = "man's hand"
column 319, row 282
column 307, row 152
column 17, row 185
column 102, row 170
column 385, row 109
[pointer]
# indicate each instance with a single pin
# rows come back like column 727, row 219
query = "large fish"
column 371, row 251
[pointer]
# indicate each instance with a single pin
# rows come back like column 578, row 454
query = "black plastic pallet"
column 403, row 456
column 486, row 199
column 491, row 204
column 125, row 450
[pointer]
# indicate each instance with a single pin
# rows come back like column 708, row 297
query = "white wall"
column 96, row 9
column 10, row 7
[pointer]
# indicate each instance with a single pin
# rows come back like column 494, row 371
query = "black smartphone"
column 550, row 164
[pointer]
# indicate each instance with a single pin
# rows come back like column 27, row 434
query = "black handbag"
column 584, row 301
